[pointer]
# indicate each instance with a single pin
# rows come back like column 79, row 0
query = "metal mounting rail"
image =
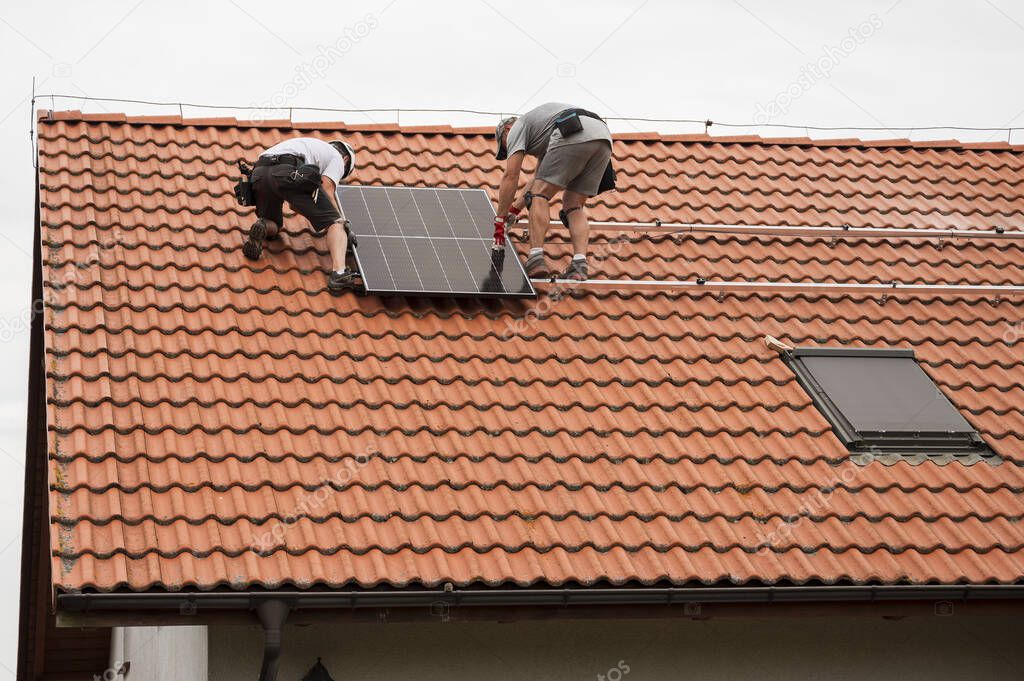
column 792, row 231
column 775, row 287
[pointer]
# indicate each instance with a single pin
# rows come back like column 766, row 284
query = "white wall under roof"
column 160, row 654
column 768, row 649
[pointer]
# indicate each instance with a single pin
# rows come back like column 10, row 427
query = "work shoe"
column 253, row 246
column 339, row 282
column 537, row 267
column 577, row 271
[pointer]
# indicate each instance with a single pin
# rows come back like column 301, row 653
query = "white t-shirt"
column 317, row 152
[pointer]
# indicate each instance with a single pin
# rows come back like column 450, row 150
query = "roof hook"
column 272, row 614
column 778, row 346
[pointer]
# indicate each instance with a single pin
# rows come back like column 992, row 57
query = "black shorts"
column 272, row 186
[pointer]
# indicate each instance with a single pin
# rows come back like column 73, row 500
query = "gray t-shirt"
column 316, row 152
column 534, row 132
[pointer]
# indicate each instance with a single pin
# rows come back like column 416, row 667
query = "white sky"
column 912, row 63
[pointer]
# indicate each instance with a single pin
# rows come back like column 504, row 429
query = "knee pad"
column 563, row 215
column 528, row 198
column 352, row 240
column 268, row 226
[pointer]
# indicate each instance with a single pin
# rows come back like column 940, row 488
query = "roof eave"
column 195, row 602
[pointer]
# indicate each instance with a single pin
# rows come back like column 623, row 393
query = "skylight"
column 882, row 401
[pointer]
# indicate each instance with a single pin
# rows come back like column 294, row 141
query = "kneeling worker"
column 574, row 149
column 303, row 171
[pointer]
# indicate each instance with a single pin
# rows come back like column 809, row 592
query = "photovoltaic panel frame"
column 431, row 242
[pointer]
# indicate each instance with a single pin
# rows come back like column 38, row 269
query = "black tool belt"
column 304, row 176
column 280, row 159
column 568, row 123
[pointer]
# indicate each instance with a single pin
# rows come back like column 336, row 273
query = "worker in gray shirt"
column 573, row 147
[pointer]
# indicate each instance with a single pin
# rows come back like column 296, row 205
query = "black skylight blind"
column 884, row 400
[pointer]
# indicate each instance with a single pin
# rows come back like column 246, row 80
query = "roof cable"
column 707, row 122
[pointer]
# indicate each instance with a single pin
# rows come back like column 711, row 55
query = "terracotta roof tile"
column 219, row 422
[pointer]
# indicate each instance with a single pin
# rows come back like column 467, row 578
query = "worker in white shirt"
column 305, row 172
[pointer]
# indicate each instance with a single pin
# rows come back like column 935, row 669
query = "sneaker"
column 253, row 246
column 537, row 267
column 577, row 271
column 339, row 282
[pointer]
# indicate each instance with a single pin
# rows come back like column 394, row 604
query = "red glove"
column 499, row 231
column 513, row 215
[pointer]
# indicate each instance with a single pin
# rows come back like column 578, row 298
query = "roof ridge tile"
column 48, row 116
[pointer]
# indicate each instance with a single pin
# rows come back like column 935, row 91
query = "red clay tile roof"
column 196, row 400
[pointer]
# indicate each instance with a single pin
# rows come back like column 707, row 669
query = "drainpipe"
column 117, row 653
column 272, row 614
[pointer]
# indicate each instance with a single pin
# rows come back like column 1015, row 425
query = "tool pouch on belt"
column 607, row 180
column 568, row 122
column 306, row 177
column 243, row 188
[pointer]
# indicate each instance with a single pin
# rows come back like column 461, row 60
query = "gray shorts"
column 577, row 167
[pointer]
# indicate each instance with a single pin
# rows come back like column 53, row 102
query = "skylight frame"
column 909, row 442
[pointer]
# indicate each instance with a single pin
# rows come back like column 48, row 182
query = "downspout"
column 116, row 651
column 272, row 614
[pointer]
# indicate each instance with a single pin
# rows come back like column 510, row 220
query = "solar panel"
column 430, row 241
